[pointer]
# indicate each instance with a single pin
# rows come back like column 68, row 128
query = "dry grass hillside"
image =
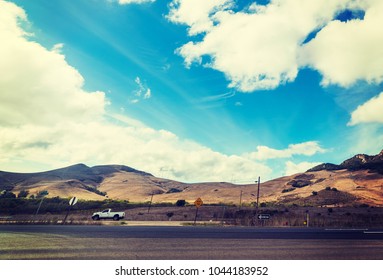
column 351, row 187
column 358, row 180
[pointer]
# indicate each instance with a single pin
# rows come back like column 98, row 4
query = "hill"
column 358, row 180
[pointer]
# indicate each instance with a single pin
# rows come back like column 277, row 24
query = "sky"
column 191, row 90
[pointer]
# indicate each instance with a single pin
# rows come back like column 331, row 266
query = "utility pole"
column 259, row 182
column 240, row 201
column 150, row 204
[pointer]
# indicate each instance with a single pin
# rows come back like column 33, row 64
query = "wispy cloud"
column 126, row 2
column 141, row 93
column 217, row 97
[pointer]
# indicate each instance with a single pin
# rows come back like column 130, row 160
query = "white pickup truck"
column 108, row 214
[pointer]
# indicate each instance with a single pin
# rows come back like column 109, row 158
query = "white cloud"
column 37, row 85
column 196, row 13
column 307, row 149
column 294, row 168
column 263, row 46
column 369, row 112
column 346, row 52
column 48, row 119
column 126, row 2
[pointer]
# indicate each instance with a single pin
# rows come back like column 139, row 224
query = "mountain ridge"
column 357, row 180
column 357, row 162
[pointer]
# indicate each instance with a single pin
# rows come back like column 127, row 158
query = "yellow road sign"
column 198, row 202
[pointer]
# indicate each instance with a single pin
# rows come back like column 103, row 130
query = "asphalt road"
column 150, row 242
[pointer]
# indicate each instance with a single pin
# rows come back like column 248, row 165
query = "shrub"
column 174, row 190
column 315, row 193
column 23, row 194
column 288, row 190
column 7, row 194
column 169, row 215
column 180, row 203
column 263, row 204
column 42, row 194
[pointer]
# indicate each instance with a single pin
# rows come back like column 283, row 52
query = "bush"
column 180, row 203
column 174, row 190
column 23, row 194
column 169, row 215
column 7, row 194
column 315, row 193
column 288, row 190
column 42, row 194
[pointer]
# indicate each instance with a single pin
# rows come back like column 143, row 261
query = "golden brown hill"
column 350, row 183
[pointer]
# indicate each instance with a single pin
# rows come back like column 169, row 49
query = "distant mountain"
column 356, row 181
column 76, row 178
column 357, row 162
column 80, row 172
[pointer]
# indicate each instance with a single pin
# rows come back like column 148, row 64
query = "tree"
column 180, row 203
column 42, row 194
column 7, row 194
column 315, row 193
column 23, row 194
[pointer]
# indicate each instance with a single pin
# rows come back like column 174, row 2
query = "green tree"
column 180, row 203
column 42, row 194
column 7, row 194
column 23, row 194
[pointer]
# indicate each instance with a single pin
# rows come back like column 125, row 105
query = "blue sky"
column 190, row 90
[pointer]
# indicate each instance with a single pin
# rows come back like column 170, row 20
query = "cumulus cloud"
column 369, row 112
column 306, row 149
column 196, row 13
column 263, row 46
column 346, row 52
column 48, row 119
column 37, row 85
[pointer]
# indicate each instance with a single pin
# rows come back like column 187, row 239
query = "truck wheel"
column 95, row 218
column 116, row 217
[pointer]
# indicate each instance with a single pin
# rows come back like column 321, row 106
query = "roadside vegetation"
column 40, row 209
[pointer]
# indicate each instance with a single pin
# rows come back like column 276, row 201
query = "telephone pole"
column 240, row 201
column 259, row 182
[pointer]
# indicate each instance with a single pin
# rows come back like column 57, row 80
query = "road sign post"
column 72, row 202
column 197, row 204
column 263, row 216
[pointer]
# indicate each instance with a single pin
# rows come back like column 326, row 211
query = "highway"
column 167, row 242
